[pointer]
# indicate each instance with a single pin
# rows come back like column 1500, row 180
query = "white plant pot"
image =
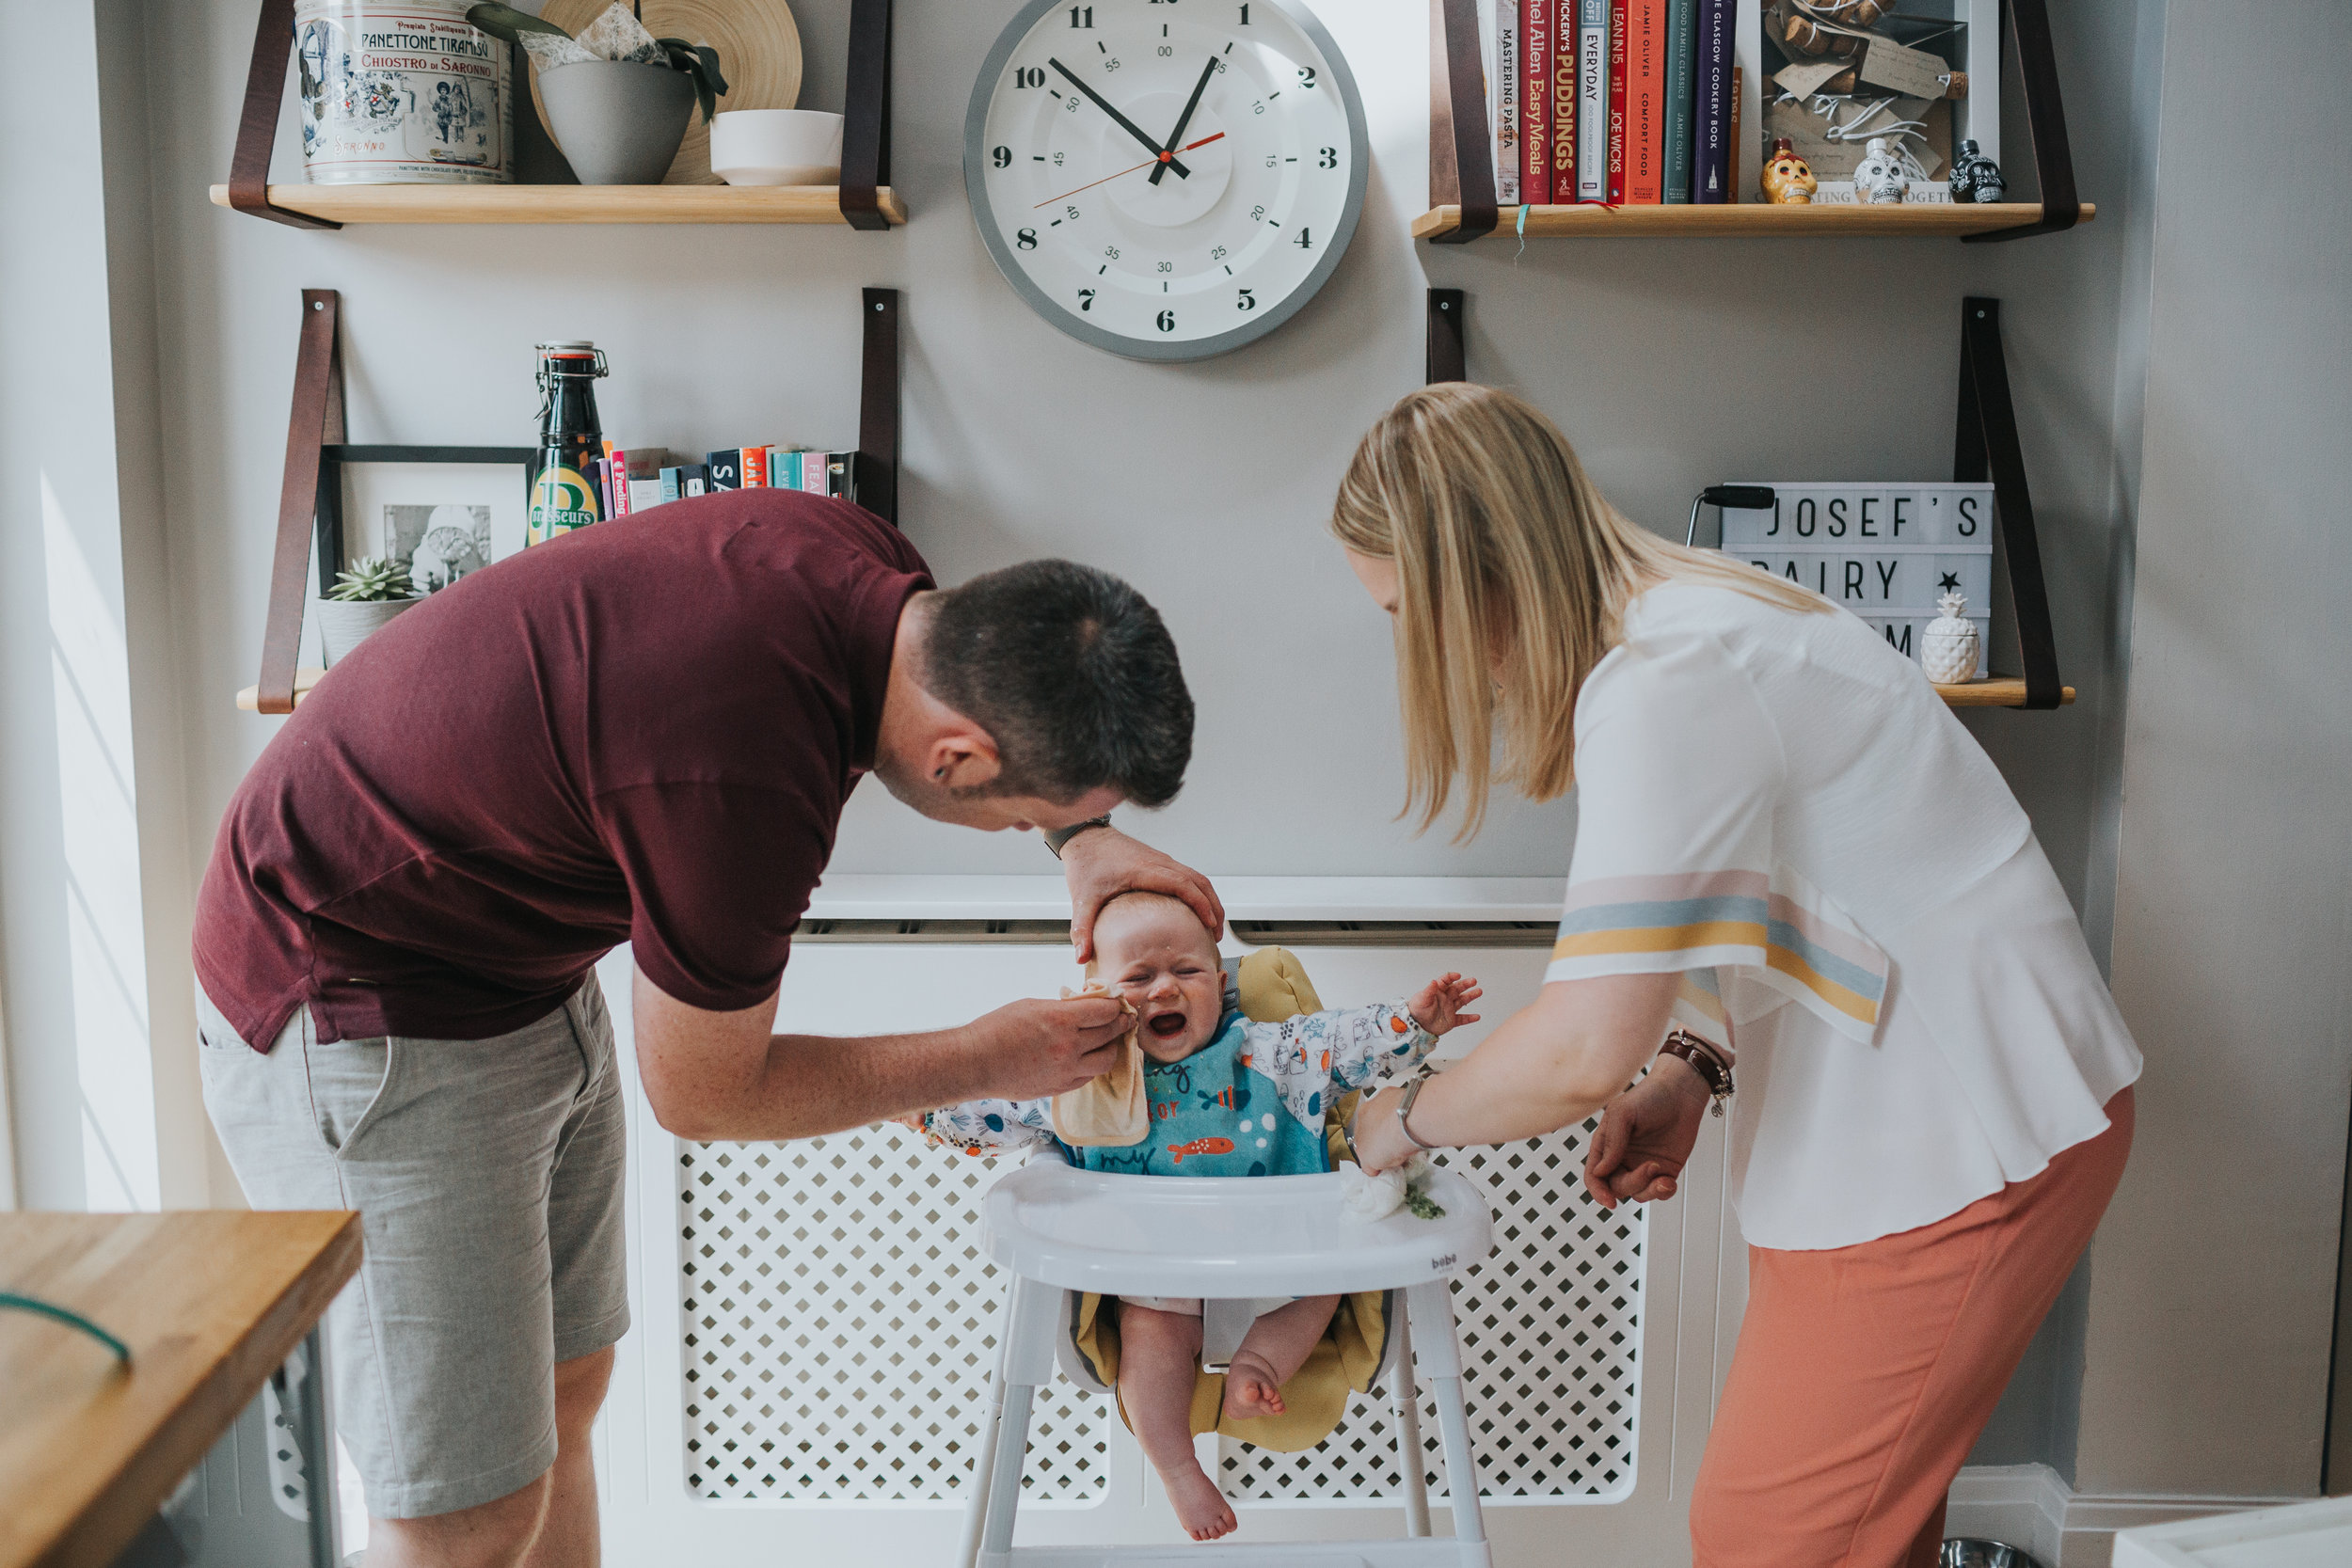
column 345, row 623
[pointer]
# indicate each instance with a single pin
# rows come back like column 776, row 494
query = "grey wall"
column 1670, row 364
column 2209, row 1315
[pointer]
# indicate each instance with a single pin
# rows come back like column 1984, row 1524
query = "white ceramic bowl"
column 776, row 147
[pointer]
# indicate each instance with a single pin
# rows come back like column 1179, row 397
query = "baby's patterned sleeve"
column 991, row 1126
column 1344, row 1047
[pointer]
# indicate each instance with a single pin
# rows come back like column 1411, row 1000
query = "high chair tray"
column 1222, row 1236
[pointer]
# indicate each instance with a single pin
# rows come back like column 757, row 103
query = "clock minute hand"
column 1162, row 154
column 1184, row 121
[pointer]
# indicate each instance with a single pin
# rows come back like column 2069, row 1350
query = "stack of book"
column 1630, row 103
column 819, row 474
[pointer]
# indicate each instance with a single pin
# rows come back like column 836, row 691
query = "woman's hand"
column 1645, row 1136
column 1102, row 862
column 1380, row 1143
column 1437, row 1007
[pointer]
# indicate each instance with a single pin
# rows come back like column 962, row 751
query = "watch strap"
column 1057, row 838
column 1705, row 1060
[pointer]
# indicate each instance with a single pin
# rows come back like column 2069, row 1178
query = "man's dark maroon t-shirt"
column 644, row 731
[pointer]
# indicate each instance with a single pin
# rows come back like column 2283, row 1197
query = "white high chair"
column 1060, row 1230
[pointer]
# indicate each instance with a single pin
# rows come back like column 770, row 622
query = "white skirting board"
column 2032, row 1507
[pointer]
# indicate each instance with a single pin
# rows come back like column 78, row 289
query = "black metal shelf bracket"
column 1446, row 360
column 1461, row 157
column 2045, row 121
column 877, row 407
column 1986, row 441
column 866, row 129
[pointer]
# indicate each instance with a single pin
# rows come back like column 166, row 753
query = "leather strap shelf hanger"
column 308, row 513
column 863, row 200
column 1462, row 204
column 1984, row 446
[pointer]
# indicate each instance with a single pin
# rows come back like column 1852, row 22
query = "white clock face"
column 1165, row 179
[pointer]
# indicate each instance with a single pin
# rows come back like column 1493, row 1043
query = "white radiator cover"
column 815, row 1322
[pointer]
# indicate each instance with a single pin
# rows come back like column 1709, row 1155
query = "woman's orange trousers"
column 1864, row 1373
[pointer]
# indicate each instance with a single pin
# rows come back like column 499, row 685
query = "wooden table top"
column 210, row 1304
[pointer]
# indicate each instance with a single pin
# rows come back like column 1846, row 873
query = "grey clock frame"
column 1273, row 316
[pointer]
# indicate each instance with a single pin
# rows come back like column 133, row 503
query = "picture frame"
column 453, row 510
column 1982, row 33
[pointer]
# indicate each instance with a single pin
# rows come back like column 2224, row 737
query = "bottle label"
column 562, row 501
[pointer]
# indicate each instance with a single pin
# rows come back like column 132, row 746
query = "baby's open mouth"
column 1166, row 1026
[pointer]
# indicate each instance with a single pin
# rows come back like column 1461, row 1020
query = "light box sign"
column 1887, row 552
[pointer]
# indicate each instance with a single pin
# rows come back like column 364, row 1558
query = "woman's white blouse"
column 1780, row 807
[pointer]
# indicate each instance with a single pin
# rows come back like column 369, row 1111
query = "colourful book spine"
column 1683, row 61
column 1506, row 91
column 645, row 494
column 816, row 476
column 753, row 465
column 694, row 478
column 616, row 464
column 1564, row 100
column 1592, row 100
column 1617, row 10
column 841, row 474
column 1536, row 101
column 671, row 488
column 1644, row 94
column 725, row 469
column 1710, row 136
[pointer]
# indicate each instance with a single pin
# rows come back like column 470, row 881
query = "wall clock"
column 1165, row 179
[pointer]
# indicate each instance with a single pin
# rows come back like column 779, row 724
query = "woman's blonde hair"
column 1505, row 556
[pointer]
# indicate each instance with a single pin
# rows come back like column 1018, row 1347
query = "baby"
column 1228, row 1098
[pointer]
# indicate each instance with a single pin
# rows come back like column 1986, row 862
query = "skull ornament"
column 1976, row 177
column 1789, row 178
column 1879, row 178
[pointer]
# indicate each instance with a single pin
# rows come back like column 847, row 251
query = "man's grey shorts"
column 489, row 1178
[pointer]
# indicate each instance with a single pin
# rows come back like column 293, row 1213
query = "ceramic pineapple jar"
column 1948, row 651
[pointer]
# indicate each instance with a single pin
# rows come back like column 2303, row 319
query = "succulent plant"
column 373, row 580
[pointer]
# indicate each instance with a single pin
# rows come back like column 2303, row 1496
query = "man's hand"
column 1645, row 1136
column 1437, row 1007
column 1102, row 862
column 1031, row 1050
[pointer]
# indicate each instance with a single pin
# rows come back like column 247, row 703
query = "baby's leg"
column 1271, row 1353
column 1158, row 1354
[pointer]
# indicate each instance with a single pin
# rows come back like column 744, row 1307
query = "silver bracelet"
column 1404, row 1109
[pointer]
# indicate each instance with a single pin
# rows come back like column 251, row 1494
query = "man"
column 644, row 733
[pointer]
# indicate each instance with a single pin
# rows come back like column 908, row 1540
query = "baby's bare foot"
column 1200, row 1508
column 1252, row 1389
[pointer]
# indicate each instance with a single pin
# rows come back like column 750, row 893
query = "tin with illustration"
column 402, row 93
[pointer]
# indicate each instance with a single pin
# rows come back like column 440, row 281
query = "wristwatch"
column 1057, row 838
column 1705, row 1060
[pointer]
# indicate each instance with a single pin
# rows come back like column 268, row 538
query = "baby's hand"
column 1439, row 1006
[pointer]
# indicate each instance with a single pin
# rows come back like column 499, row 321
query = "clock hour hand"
column 1184, row 120
column 1162, row 154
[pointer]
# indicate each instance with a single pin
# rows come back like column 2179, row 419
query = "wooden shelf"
column 1745, row 220
column 569, row 203
column 2001, row 691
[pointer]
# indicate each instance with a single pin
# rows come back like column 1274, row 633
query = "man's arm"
column 714, row 1075
column 1102, row 862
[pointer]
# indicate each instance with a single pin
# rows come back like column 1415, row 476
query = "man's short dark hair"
column 1072, row 674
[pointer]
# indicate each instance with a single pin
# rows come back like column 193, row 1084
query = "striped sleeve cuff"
column 1776, row 928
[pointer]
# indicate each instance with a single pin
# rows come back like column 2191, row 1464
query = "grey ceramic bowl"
column 619, row 123
column 1959, row 1552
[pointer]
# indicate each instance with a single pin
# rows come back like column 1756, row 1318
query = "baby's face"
column 1154, row 953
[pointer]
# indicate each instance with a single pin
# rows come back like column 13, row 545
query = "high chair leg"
column 1004, row 1481
column 1405, row 1390
column 1024, row 1360
column 1432, row 1310
column 984, row 1469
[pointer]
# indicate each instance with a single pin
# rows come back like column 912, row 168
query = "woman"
column 1788, row 848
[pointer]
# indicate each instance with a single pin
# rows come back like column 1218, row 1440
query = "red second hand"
column 1146, row 163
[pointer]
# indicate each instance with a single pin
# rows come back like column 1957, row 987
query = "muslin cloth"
column 1109, row 1111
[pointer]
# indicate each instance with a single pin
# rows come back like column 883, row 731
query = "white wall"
column 2214, row 1279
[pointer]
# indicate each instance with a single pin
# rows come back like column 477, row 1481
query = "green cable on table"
column 69, row 1318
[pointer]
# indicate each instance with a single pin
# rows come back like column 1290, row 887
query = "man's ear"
column 962, row 755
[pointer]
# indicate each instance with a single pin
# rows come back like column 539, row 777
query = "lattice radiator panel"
column 1550, row 1328
column 841, row 1327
